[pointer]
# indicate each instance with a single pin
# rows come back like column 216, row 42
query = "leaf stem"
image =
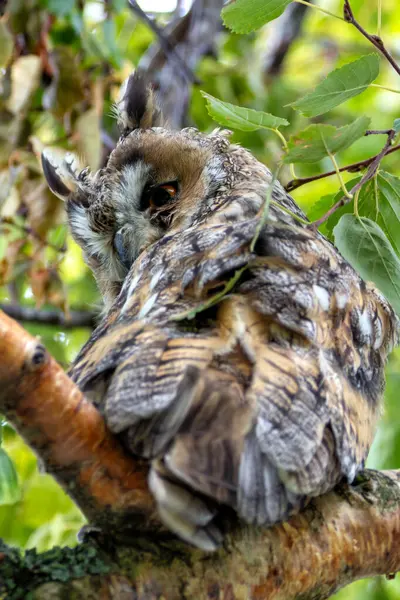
column 384, row 87
column 323, row 10
column 265, row 208
column 281, row 137
column 356, row 195
column 285, row 147
column 289, row 212
column 338, row 174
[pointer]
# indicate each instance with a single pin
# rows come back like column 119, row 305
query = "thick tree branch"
column 191, row 36
column 282, row 33
column 350, row 533
column 76, row 318
column 67, row 432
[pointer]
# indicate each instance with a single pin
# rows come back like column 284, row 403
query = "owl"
column 241, row 356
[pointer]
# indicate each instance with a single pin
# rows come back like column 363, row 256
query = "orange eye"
column 162, row 194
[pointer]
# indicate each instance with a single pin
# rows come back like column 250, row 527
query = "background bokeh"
column 61, row 68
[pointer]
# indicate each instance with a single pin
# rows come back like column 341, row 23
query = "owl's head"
column 156, row 181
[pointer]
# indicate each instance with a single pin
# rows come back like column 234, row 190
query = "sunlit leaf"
column 9, row 487
column 378, row 201
column 317, row 141
column 340, row 85
column 396, row 125
column 243, row 16
column 389, row 207
column 60, row 8
column 363, row 243
column 89, row 141
column 6, row 44
column 238, row 117
column 67, row 86
column 25, row 77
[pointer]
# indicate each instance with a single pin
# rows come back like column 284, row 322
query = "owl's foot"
column 185, row 514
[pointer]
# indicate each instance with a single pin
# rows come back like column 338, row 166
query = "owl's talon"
column 178, row 500
column 207, row 538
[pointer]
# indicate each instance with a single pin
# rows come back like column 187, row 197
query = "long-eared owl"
column 258, row 401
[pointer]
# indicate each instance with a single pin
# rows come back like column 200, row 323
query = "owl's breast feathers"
column 261, row 401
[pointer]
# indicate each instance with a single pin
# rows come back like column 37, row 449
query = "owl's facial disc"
column 144, row 216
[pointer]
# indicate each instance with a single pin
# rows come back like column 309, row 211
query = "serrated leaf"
column 363, row 243
column 389, row 207
column 340, row 85
column 9, row 488
column 238, row 117
column 396, row 125
column 320, row 207
column 243, row 16
column 379, row 202
column 6, row 44
column 315, row 142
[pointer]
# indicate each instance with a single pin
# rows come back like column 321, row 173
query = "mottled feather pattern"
column 260, row 402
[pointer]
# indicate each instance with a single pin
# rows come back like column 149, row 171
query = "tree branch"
column 374, row 39
column 192, row 36
column 372, row 169
column 352, row 532
column 283, row 32
column 353, row 168
column 81, row 318
column 167, row 47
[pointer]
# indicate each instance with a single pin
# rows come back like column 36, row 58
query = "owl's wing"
column 259, row 403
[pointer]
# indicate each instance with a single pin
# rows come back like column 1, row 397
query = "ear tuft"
column 61, row 173
column 138, row 108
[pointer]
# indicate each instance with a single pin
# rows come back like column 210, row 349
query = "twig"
column 79, row 318
column 366, row 177
column 374, row 39
column 353, row 168
column 165, row 44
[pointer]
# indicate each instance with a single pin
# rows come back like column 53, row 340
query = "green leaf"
column 243, row 16
column 6, row 44
column 319, row 208
column 317, row 141
column 379, row 202
column 396, row 125
column 340, row 85
column 60, row 8
column 363, row 243
column 238, row 117
column 389, row 207
column 9, row 488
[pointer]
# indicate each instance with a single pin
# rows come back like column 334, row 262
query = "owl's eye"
column 160, row 195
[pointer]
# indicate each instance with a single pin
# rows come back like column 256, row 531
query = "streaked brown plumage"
column 260, row 402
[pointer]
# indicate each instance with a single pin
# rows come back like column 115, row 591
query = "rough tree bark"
column 191, row 37
column 350, row 533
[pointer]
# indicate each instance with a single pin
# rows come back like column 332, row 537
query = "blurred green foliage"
column 63, row 63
